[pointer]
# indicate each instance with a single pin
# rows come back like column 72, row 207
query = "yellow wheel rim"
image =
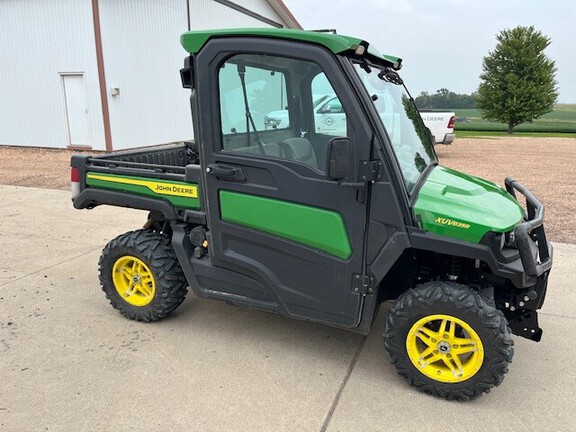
column 445, row 348
column 133, row 280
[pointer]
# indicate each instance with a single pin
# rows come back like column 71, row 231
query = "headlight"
column 510, row 239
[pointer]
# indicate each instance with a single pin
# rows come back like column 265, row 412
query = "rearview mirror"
column 338, row 158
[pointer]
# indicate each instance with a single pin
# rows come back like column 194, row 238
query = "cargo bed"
column 163, row 179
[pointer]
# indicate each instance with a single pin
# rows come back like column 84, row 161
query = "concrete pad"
column 49, row 214
column 71, row 362
column 23, row 254
column 20, row 195
column 561, row 297
column 40, row 228
column 537, row 393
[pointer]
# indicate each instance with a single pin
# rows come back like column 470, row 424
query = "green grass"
column 488, row 134
column 560, row 122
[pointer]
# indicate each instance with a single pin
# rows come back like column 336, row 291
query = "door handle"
column 225, row 172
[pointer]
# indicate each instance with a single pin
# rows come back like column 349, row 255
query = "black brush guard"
column 536, row 256
column 530, row 235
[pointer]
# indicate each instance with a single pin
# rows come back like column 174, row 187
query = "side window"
column 278, row 107
column 329, row 115
column 265, row 91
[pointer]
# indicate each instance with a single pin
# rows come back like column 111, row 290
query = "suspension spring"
column 453, row 268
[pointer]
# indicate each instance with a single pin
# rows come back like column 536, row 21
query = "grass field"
column 562, row 121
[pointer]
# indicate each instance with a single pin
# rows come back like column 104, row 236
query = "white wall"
column 143, row 58
column 208, row 14
column 263, row 8
column 40, row 39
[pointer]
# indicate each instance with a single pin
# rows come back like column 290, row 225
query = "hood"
column 464, row 207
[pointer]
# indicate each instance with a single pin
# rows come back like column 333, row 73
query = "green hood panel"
column 465, row 207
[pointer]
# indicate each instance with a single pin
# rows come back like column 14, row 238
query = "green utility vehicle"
column 324, row 224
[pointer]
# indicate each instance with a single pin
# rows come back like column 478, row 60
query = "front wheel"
column 448, row 340
column 141, row 275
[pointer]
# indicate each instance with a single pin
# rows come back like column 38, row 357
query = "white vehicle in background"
column 329, row 116
column 441, row 125
column 330, row 119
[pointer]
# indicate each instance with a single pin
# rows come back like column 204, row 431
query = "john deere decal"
column 178, row 193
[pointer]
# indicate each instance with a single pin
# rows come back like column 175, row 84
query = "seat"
column 265, row 149
column 299, row 149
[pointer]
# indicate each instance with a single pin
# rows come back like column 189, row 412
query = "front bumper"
column 536, row 258
column 535, row 251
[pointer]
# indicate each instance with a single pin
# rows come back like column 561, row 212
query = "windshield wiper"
column 249, row 120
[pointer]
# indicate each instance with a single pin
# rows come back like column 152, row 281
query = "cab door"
column 285, row 236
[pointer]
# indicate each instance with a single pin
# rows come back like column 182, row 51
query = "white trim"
column 282, row 10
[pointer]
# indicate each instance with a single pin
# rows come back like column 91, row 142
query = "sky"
column 442, row 42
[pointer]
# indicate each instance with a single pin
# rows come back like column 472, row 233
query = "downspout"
column 101, row 75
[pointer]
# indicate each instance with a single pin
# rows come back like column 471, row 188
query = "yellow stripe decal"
column 160, row 188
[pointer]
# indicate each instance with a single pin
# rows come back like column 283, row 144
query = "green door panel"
column 318, row 228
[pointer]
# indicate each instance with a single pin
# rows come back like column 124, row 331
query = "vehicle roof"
column 193, row 41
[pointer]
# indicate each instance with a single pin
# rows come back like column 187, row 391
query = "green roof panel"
column 193, row 41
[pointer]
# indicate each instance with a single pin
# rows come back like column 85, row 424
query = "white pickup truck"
column 330, row 118
column 441, row 125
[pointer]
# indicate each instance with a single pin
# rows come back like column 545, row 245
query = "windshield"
column 408, row 135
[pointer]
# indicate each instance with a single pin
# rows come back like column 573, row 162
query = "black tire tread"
column 156, row 250
column 470, row 303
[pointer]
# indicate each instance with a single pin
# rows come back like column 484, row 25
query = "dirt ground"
column 547, row 166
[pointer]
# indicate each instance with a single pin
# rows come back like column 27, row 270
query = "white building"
column 104, row 74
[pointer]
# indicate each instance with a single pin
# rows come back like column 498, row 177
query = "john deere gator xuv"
column 326, row 215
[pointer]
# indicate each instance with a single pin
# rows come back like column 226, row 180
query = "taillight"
column 75, row 175
column 75, row 182
column 452, row 122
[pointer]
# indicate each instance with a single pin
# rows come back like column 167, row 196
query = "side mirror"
column 338, row 158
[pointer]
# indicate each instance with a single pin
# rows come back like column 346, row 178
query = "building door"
column 76, row 110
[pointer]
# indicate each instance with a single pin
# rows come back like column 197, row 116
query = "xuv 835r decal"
column 179, row 194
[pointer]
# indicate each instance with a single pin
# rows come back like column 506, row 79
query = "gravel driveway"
column 546, row 166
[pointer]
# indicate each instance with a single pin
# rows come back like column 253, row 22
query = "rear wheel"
column 141, row 276
column 448, row 340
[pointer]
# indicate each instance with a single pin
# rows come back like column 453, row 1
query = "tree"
column 444, row 99
column 518, row 81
